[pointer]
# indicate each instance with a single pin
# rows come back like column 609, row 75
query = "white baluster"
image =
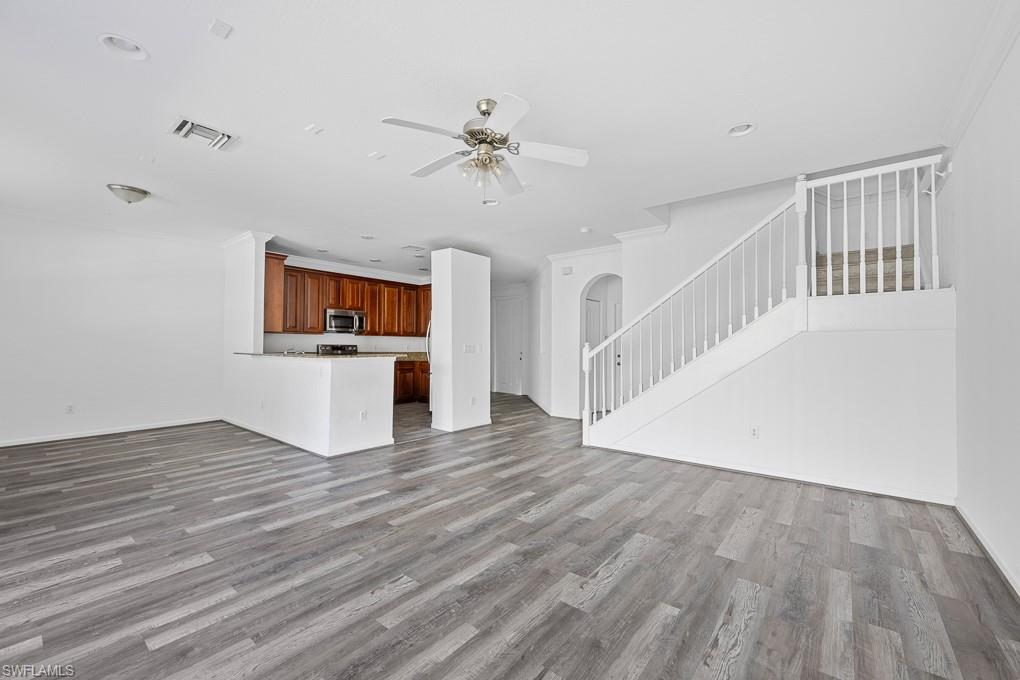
column 651, row 350
column 694, row 320
column 828, row 239
column 814, row 245
column 846, row 243
column 683, row 330
column 862, row 265
column 729, row 297
column 672, row 332
column 899, row 236
column 880, row 272
column 743, row 284
column 917, row 233
column 630, row 367
column 785, row 228
column 756, row 274
column 934, row 232
column 718, row 264
column 587, row 385
column 768, row 281
column 705, row 307
column 640, row 358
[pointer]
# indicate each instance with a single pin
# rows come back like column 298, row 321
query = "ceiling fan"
column 485, row 137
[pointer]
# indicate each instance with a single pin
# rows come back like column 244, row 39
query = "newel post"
column 802, row 282
column 586, row 414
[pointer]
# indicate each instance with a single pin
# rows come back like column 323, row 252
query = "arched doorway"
column 601, row 315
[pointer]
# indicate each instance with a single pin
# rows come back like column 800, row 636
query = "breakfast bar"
column 326, row 404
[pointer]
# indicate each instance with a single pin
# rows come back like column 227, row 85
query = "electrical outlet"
column 69, row 409
column 754, row 432
column 262, row 404
column 474, row 401
column 362, row 416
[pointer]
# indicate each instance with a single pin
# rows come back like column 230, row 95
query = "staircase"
column 754, row 295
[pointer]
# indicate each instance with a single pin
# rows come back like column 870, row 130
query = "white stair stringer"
column 744, row 346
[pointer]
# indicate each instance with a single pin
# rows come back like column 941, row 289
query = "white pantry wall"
column 982, row 204
column 125, row 329
column 538, row 338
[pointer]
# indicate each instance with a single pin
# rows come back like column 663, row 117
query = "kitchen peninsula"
column 326, row 404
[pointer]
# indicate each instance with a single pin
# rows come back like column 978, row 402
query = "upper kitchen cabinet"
column 408, row 310
column 273, row 293
column 313, row 316
column 424, row 309
column 353, row 294
column 292, row 301
column 390, row 304
column 373, row 308
column 334, row 292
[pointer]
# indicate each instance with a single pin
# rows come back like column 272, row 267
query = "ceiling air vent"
column 189, row 128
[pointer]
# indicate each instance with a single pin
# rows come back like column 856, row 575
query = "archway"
column 601, row 307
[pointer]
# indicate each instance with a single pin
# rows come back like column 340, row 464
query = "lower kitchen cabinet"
column 404, row 374
column 421, row 383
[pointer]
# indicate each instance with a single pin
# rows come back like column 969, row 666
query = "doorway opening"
column 601, row 316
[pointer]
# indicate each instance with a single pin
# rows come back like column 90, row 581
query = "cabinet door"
column 334, row 294
column 273, row 293
column 408, row 310
column 404, row 382
column 390, row 295
column 422, row 381
column 312, row 288
column 353, row 294
column 424, row 309
column 292, row 299
column 373, row 308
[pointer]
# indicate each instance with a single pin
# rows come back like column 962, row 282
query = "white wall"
column 869, row 410
column 983, row 203
column 126, row 328
column 653, row 261
column 570, row 274
column 461, row 347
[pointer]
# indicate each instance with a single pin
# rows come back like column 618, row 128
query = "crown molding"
column 996, row 42
column 644, row 232
column 354, row 270
column 260, row 237
column 601, row 250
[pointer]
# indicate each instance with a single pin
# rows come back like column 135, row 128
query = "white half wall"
column 124, row 328
column 461, row 348
column 867, row 410
column 983, row 204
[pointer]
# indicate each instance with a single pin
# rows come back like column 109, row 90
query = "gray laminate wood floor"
column 508, row 551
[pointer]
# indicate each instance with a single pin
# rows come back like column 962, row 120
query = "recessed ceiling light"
column 585, row 230
column 124, row 46
column 414, row 248
column 419, row 255
column 490, row 201
column 367, row 237
column 321, row 250
column 741, row 129
column 423, row 269
column 374, row 259
column 221, row 29
column 314, row 129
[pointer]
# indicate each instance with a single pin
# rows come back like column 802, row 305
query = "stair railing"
column 743, row 282
column 870, row 228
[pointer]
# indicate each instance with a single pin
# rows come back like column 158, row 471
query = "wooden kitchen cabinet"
column 274, row 293
column 334, row 292
column 292, row 299
column 408, row 310
column 421, row 382
column 373, row 308
column 424, row 309
column 313, row 316
column 404, row 381
column 390, row 303
column 353, row 294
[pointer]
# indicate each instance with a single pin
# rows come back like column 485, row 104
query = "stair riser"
column 870, row 256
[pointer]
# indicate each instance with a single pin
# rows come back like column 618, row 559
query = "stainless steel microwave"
column 345, row 321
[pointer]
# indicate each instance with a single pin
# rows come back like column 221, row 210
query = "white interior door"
column 508, row 345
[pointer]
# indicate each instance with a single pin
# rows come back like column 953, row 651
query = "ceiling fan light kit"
column 487, row 135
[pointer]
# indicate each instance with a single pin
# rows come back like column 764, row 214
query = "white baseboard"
column 879, row 489
column 1012, row 579
column 110, row 430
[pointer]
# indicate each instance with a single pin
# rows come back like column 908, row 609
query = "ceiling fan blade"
column 440, row 163
column 553, row 153
column 421, row 126
column 507, row 179
column 508, row 113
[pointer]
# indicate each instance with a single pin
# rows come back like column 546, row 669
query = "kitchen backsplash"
column 278, row 342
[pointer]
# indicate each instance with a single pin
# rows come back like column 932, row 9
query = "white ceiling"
column 649, row 88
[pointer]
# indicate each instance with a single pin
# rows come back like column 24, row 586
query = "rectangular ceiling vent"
column 216, row 139
column 416, row 249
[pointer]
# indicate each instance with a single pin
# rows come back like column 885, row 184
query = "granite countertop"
column 401, row 356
